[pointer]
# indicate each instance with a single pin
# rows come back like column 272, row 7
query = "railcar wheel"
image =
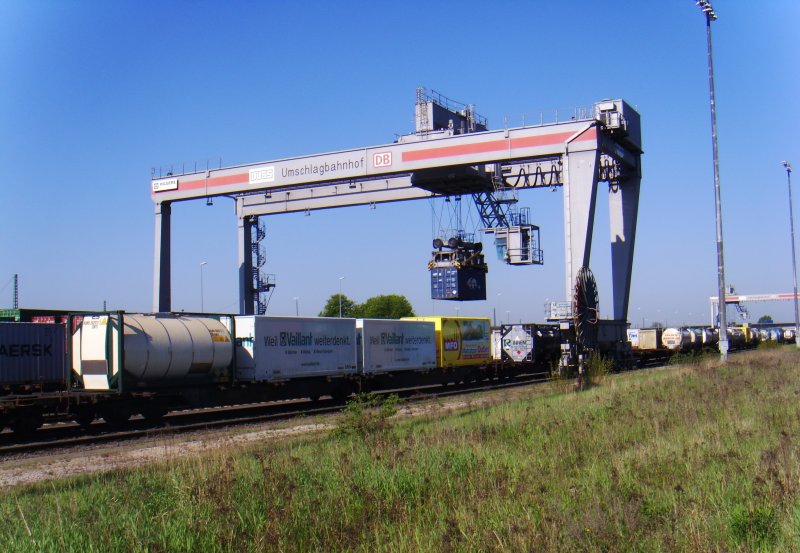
column 314, row 399
column 154, row 411
column 341, row 393
column 85, row 416
column 116, row 414
column 26, row 421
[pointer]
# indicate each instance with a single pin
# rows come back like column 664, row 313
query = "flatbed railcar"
column 117, row 365
column 113, row 365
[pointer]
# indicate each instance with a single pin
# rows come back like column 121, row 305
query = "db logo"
column 382, row 159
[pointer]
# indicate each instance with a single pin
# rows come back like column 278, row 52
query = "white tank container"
column 676, row 339
column 157, row 348
column 161, row 347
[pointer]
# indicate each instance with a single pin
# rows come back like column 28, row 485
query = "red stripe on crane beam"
column 240, row 178
column 496, row 145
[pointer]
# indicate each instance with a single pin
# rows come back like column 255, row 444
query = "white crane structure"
column 451, row 153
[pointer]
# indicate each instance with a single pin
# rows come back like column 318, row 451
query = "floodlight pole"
column 788, row 167
column 202, row 307
column 340, row 296
column 706, row 8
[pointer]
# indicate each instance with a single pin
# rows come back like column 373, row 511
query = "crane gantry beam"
column 576, row 155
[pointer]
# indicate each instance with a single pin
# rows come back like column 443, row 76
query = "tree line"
column 388, row 306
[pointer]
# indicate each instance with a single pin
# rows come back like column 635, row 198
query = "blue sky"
column 95, row 94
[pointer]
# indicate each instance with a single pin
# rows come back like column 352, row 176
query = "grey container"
column 650, row 338
column 32, row 353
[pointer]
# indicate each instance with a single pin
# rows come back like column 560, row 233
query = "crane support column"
column 623, row 207
column 162, row 270
column 580, row 198
column 246, row 292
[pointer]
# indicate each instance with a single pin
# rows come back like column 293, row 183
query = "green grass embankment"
column 691, row 458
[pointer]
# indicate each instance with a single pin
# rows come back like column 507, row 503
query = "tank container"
column 157, row 348
column 677, row 339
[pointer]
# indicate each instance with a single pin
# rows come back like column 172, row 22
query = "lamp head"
column 706, row 8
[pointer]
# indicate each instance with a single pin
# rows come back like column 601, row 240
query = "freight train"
column 648, row 344
column 114, row 365
column 57, row 366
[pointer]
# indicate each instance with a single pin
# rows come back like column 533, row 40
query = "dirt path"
column 101, row 458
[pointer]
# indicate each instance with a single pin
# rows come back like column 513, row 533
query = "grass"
column 697, row 457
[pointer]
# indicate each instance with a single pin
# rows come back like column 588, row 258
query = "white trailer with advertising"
column 389, row 345
column 275, row 349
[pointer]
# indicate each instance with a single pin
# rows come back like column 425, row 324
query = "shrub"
column 368, row 414
column 597, row 368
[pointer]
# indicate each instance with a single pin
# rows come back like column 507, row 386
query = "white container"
column 157, row 348
column 390, row 345
column 273, row 349
column 518, row 343
column 633, row 337
column 497, row 344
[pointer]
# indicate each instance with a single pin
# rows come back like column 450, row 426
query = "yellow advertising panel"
column 461, row 341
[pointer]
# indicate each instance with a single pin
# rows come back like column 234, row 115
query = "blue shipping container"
column 32, row 353
column 465, row 284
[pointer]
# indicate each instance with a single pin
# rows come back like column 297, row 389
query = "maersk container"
column 274, row 349
column 32, row 353
column 389, row 345
column 158, row 348
column 460, row 341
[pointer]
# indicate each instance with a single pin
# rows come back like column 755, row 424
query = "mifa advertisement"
column 465, row 340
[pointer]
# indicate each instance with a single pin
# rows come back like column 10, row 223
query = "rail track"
column 64, row 436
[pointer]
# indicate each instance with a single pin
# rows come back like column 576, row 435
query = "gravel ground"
column 26, row 469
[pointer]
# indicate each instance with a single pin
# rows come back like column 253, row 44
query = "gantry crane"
column 452, row 152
